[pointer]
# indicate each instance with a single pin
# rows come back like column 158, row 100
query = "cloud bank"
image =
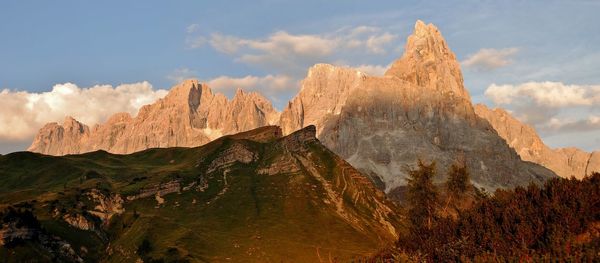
column 291, row 54
column 552, row 107
column 489, row 58
column 270, row 86
column 23, row 113
column 286, row 56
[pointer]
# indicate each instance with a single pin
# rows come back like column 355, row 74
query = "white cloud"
column 193, row 38
column 226, row 44
column 556, row 125
column 551, row 107
column 195, row 41
column 547, row 94
column 292, row 54
column 23, row 113
column 192, row 28
column 375, row 44
column 489, row 58
column 282, row 42
column 181, row 74
column 269, row 85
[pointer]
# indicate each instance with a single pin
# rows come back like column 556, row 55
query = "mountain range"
column 198, row 177
column 419, row 109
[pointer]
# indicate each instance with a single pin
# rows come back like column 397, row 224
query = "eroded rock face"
column 565, row 162
column 107, row 205
column 61, row 139
column 236, row 153
column 419, row 109
column 79, row 221
column 157, row 190
column 190, row 115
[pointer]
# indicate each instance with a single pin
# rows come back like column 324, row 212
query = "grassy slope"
column 258, row 218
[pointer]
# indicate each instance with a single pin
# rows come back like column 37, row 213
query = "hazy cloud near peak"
column 556, row 125
column 269, row 85
column 551, row 107
column 193, row 38
column 291, row 54
column 24, row 113
column 192, row 28
column 180, row 74
column 490, row 58
column 547, row 94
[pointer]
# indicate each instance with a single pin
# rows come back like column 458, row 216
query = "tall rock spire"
column 419, row 109
column 428, row 62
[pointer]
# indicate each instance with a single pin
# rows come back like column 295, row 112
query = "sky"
column 540, row 60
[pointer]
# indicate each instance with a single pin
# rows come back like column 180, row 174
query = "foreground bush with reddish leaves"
column 557, row 222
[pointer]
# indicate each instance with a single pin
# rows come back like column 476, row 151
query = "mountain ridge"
column 418, row 109
column 228, row 200
column 565, row 162
column 189, row 115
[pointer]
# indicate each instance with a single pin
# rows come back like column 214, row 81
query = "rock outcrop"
column 106, row 205
column 157, row 190
column 419, row 109
column 79, row 221
column 565, row 162
column 190, row 115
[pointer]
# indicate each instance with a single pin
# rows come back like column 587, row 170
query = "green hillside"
column 250, row 197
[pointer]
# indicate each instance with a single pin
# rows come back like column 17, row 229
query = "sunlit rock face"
column 190, row 115
column 419, row 109
column 565, row 162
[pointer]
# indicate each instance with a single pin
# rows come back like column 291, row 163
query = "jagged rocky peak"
column 189, row 115
column 419, row 109
column 188, row 90
column 71, row 126
column 428, row 62
column 426, row 81
column 323, row 92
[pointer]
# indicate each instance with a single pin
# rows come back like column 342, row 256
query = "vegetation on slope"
column 242, row 198
column 559, row 221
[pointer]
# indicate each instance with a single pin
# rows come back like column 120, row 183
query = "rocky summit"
column 419, row 109
column 190, row 115
column 565, row 162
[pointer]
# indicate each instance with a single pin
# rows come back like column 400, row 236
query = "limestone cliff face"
column 190, row 115
column 419, row 109
column 61, row 139
column 565, row 162
column 429, row 63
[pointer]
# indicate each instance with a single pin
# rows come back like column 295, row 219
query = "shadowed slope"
column 255, row 196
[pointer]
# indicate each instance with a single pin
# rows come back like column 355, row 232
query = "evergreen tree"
column 422, row 196
column 458, row 180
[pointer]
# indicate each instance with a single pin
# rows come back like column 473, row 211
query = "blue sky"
column 552, row 45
